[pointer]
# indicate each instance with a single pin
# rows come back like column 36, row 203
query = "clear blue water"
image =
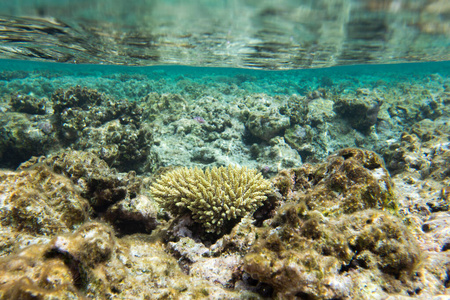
column 41, row 78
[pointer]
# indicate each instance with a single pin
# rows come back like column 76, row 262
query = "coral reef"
column 213, row 197
column 81, row 118
column 88, row 216
column 212, row 132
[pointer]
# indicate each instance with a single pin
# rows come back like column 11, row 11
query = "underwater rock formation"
column 421, row 167
column 28, row 104
column 26, row 129
column 78, row 117
column 117, row 196
column 89, row 120
column 264, row 119
column 40, row 202
column 214, row 197
column 92, row 263
column 327, row 236
column 362, row 111
column 305, row 254
column 351, row 180
column 98, row 183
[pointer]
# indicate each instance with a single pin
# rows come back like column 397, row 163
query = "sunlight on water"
column 283, row 34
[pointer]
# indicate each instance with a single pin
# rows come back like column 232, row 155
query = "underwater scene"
column 225, row 149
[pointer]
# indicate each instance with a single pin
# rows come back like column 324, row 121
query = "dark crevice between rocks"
column 306, row 296
column 267, row 210
column 79, row 276
column 445, row 247
column 129, row 227
column 197, row 231
column 249, row 139
column 353, row 264
column 438, row 206
column 414, row 292
column 263, row 289
column 447, row 279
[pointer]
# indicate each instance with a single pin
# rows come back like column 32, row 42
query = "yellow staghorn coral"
column 213, row 196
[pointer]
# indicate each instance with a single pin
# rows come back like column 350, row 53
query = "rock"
column 304, row 253
column 351, row 180
column 264, row 119
column 135, row 215
column 98, row 183
column 40, row 202
column 361, row 112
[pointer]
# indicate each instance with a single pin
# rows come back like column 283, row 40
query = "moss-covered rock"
column 361, row 112
column 39, row 201
column 351, row 180
column 304, row 254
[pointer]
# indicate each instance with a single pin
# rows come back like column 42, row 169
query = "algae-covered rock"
column 132, row 215
column 98, row 183
column 28, row 276
column 39, row 201
column 28, row 104
column 123, row 146
column 361, row 112
column 277, row 156
column 89, row 120
column 23, row 135
column 304, row 254
column 351, row 180
column 117, row 196
column 425, row 149
column 68, row 267
column 91, row 263
column 167, row 107
column 264, row 120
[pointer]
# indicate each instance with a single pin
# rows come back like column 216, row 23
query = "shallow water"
column 102, row 97
column 132, row 83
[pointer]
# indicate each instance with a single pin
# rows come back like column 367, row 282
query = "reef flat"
column 337, row 184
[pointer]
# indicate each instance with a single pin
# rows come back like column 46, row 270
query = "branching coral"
column 213, row 196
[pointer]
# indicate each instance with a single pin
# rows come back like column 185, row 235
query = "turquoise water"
column 41, row 79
